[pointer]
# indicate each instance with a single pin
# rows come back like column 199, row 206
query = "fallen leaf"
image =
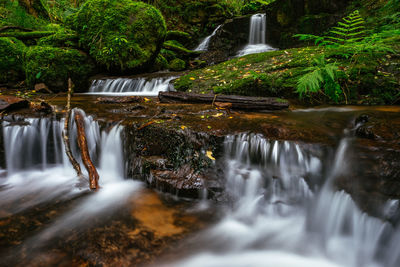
column 209, row 155
column 183, row 127
column 218, row 115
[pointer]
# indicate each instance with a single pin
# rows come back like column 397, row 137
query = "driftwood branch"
column 238, row 102
column 82, row 143
column 65, row 133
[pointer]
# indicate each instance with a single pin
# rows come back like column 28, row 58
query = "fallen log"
column 82, row 143
column 65, row 134
column 238, row 102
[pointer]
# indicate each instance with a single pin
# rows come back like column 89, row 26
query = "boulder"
column 120, row 35
column 53, row 66
column 11, row 60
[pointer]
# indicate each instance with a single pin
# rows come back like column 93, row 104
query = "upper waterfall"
column 257, row 36
column 203, row 46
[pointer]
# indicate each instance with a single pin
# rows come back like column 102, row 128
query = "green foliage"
column 254, row 6
column 350, row 30
column 178, row 48
column 182, row 37
column 160, row 63
column 11, row 59
column 62, row 38
column 53, row 66
column 11, row 13
column 177, row 65
column 322, row 75
column 120, row 35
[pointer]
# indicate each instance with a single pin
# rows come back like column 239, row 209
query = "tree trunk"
column 238, row 102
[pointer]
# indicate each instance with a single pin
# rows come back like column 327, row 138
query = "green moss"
column 62, row 38
column 27, row 35
column 177, row 64
column 182, row 37
column 370, row 77
column 178, row 48
column 160, row 63
column 120, row 34
column 168, row 54
column 11, row 59
column 53, row 66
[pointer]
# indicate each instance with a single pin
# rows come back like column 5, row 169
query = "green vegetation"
column 120, row 35
column 177, row 64
column 53, row 66
column 11, row 59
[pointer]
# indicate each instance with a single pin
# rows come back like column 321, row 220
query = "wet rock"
column 362, row 119
column 365, row 131
column 42, row 107
column 8, row 103
column 119, row 100
column 184, row 182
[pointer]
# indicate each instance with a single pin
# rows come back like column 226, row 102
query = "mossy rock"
column 168, row 54
column 179, row 49
column 182, row 37
column 53, row 66
column 11, row 59
column 120, row 34
column 160, row 63
column 177, row 65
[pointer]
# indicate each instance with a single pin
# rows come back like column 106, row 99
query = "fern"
column 322, row 75
column 350, row 30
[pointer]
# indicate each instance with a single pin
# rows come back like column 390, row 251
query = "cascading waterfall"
column 282, row 217
column 203, row 46
column 128, row 86
column 257, row 36
column 37, row 169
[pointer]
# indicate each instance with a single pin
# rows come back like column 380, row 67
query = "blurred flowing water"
column 286, row 211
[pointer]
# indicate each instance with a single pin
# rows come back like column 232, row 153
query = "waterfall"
column 128, row 86
column 38, row 171
column 281, row 216
column 257, row 36
column 203, row 46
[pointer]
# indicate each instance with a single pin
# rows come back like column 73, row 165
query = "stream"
column 281, row 202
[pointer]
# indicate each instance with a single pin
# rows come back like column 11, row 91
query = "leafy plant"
column 350, row 30
column 322, row 75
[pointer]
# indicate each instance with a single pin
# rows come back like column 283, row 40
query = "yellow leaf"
column 192, row 78
column 209, row 155
column 231, row 117
column 183, row 127
column 202, row 116
column 218, row 115
column 146, row 99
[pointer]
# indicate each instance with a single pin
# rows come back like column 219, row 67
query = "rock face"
column 230, row 38
column 171, row 160
column 120, row 35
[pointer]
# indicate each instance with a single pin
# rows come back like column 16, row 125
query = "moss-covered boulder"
column 11, row 59
column 177, row 64
column 120, row 34
column 53, row 66
column 62, row 38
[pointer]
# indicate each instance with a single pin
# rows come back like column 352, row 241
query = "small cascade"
column 38, row 170
column 33, row 143
column 280, row 216
column 257, row 36
column 128, row 86
column 203, row 46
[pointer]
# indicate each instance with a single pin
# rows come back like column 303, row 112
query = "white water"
column 203, row 46
column 257, row 36
column 37, row 170
column 127, row 86
column 281, row 216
